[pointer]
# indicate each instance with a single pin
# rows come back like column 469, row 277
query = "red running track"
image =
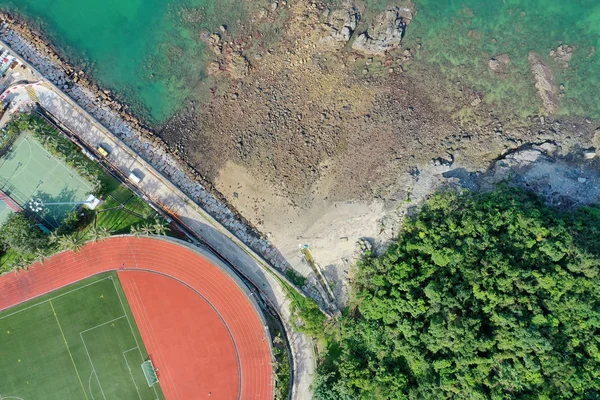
column 203, row 333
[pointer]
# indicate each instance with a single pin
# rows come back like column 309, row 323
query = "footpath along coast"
column 167, row 183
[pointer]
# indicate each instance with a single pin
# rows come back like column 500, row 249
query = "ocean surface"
column 149, row 51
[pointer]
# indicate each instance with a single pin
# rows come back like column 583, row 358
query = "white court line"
column 131, row 373
column 131, row 349
column 93, row 367
column 102, row 324
column 132, row 332
column 128, row 321
column 56, row 297
column 22, row 167
column 58, row 162
column 90, row 385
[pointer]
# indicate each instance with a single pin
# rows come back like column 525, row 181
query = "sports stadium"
column 132, row 318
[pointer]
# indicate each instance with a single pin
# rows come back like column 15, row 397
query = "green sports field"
column 79, row 342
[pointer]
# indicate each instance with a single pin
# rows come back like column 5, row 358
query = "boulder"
column 562, row 55
column 589, row 153
column 523, row 157
column 340, row 26
column 500, row 63
column 385, row 32
column 545, row 83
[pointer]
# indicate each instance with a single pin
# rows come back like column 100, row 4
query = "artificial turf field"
column 79, row 342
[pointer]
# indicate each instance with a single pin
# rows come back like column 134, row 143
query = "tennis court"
column 4, row 212
column 29, row 171
column 79, row 342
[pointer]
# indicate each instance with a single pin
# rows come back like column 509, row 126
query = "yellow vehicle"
column 102, row 151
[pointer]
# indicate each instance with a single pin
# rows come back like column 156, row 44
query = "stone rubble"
column 385, row 33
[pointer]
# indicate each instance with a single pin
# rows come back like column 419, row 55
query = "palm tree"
column 53, row 238
column 71, row 242
column 135, row 231
column 36, row 125
column 20, row 264
column 104, row 233
column 99, row 234
column 40, row 255
column 22, row 124
column 159, row 227
column 146, row 229
column 94, row 234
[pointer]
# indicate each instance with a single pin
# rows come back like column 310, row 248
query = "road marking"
column 69, row 350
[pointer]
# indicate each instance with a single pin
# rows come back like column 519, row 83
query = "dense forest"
column 482, row 296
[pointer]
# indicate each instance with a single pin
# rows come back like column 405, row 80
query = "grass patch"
column 295, row 278
column 119, row 217
column 7, row 260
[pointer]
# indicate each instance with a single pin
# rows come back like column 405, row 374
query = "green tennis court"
column 29, row 171
column 79, row 342
column 4, row 212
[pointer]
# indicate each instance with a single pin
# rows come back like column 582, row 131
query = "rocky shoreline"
column 32, row 47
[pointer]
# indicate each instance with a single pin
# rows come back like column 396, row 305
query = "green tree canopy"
column 482, row 296
column 22, row 235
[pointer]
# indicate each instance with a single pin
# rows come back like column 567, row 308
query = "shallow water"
column 460, row 36
column 146, row 50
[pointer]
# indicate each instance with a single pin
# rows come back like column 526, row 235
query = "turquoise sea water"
column 148, row 50
column 459, row 37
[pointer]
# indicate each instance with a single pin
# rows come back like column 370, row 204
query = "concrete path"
column 163, row 192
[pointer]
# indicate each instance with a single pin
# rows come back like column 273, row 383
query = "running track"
column 165, row 284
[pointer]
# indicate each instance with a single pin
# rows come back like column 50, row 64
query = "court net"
column 149, row 372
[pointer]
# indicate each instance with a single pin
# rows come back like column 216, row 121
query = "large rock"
column 545, row 83
column 562, row 55
column 385, row 32
column 500, row 63
column 340, row 26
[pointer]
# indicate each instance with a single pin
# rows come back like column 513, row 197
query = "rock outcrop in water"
column 385, row 32
column 500, row 64
column 562, row 55
column 545, row 83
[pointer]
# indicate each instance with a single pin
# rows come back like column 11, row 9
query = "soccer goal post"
column 149, row 372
